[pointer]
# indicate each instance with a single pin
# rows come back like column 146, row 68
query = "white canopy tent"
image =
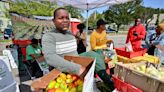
column 89, row 4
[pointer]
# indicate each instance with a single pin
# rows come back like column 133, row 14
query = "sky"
column 146, row 3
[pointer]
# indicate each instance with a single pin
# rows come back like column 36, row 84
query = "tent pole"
column 87, row 23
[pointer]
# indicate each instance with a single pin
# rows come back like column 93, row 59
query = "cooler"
column 7, row 83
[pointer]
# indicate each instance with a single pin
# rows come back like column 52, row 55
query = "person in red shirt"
column 136, row 34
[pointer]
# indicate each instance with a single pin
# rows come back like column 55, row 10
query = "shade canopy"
column 89, row 4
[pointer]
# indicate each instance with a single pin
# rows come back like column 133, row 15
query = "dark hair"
column 100, row 22
column 81, row 26
column 55, row 12
column 34, row 41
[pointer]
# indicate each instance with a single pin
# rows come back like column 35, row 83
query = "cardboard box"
column 142, row 81
column 89, row 63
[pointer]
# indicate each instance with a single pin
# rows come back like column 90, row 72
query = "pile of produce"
column 65, row 83
column 150, row 70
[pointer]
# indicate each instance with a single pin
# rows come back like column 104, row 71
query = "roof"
column 74, row 20
column 89, row 4
column 44, row 17
column 161, row 18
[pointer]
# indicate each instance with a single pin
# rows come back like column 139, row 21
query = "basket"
column 22, row 43
column 137, row 52
column 122, row 86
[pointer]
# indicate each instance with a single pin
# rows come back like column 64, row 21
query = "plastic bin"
column 122, row 86
column 117, row 82
column 22, row 43
column 135, row 53
column 133, row 89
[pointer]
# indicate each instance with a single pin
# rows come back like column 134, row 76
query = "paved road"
column 119, row 40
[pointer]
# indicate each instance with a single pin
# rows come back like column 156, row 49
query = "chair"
column 41, row 62
column 25, row 62
column 43, row 65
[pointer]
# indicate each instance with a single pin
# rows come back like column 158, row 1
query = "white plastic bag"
column 128, row 47
column 111, row 46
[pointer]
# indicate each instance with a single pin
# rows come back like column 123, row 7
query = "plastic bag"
column 128, row 47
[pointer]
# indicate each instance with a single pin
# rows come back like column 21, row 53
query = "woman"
column 136, row 34
column 98, row 38
column 81, row 39
column 33, row 52
column 159, row 43
column 99, row 43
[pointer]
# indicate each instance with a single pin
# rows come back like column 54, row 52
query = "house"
column 153, row 21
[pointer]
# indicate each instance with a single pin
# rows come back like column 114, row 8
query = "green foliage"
column 29, row 8
column 145, row 13
column 93, row 18
column 122, row 13
column 126, row 13
column 42, row 8
column 75, row 13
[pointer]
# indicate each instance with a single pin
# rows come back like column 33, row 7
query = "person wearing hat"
column 100, row 44
column 136, row 34
column 159, row 43
column 98, row 38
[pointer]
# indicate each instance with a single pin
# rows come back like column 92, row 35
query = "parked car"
column 8, row 33
column 109, row 30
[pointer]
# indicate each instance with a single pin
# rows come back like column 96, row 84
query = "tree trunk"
column 118, row 27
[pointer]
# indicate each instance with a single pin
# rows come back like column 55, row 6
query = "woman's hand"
column 160, row 47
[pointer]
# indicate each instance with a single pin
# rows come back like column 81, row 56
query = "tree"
column 29, row 7
column 93, row 18
column 157, row 21
column 42, row 8
column 145, row 14
column 75, row 13
column 122, row 13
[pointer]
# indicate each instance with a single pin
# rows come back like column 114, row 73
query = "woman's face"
column 137, row 22
column 158, row 30
column 103, row 27
column 61, row 20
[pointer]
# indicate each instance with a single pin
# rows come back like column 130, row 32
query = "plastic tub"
column 135, row 53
